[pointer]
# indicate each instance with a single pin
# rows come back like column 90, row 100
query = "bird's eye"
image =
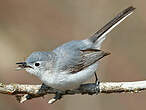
column 37, row 64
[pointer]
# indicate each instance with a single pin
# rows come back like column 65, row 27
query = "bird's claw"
column 97, row 82
column 97, row 88
column 57, row 96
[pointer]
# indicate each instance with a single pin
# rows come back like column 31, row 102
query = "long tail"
column 100, row 35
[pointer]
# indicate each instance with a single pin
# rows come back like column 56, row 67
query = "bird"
column 74, row 62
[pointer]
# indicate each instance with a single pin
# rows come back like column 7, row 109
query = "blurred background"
column 42, row 25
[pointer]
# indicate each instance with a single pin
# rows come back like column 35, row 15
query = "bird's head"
column 37, row 63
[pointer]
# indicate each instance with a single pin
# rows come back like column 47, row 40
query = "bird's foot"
column 97, row 88
column 57, row 96
column 97, row 83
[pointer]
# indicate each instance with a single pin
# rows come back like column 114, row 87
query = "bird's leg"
column 57, row 96
column 97, row 82
column 96, row 79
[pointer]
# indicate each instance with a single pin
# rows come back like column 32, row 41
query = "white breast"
column 65, row 81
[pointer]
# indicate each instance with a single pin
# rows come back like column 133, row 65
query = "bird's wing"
column 88, row 57
column 72, row 57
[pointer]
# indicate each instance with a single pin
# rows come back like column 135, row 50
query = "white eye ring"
column 37, row 64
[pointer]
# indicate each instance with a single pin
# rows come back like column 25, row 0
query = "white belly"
column 65, row 81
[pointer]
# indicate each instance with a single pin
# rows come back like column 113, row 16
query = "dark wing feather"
column 89, row 57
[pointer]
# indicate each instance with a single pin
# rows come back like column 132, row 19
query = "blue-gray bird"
column 74, row 62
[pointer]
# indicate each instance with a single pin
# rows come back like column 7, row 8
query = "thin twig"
column 25, row 92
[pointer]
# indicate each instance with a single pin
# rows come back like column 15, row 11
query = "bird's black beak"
column 22, row 65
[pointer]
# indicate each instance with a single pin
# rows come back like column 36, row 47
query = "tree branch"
column 26, row 92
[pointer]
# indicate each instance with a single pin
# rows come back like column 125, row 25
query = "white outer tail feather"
column 97, row 38
column 103, row 37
